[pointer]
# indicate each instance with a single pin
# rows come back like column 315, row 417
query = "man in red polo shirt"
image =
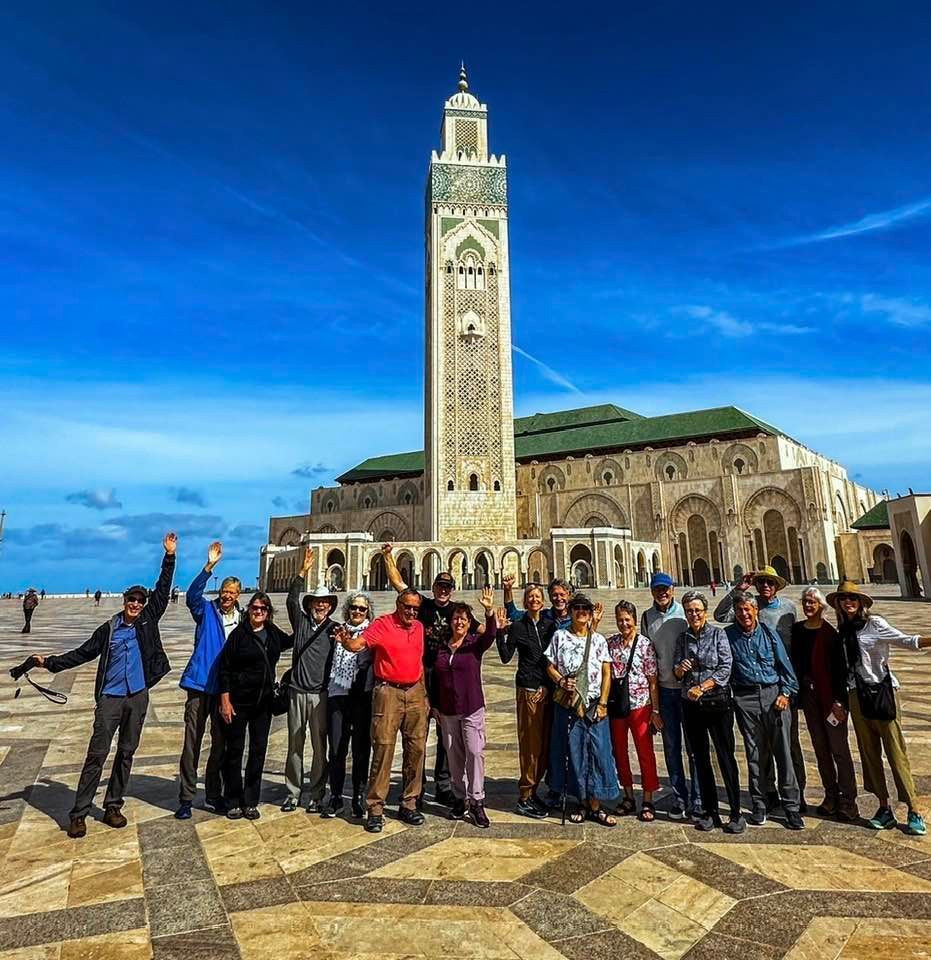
column 399, row 702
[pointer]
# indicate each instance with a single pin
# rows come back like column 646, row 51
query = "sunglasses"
column 135, row 598
column 358, row 607
column 258, row 607
column 848, row 596
column 410, row 606
column 767, row 583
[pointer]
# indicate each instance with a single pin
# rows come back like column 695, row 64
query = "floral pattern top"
column 642, row 666
column 566, row 650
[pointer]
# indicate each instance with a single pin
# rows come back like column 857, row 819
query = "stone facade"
column 705, row 495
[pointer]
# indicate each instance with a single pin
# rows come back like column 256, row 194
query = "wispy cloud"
column 897, row 310
column 279, row 502
column 95, row 499
column 884, row 220
column 730, row 326
column 311, row 470
column 186, row 495
column 552, row 375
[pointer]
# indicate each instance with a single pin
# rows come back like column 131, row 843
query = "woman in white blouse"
column 873, row 707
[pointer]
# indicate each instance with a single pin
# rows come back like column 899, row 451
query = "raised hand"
column 214, row 553
column 598, row 613
column 170, row 543
column 386, row 549
column 308, row 561
column 487, row 599
column 501, row 617
column 507, row 581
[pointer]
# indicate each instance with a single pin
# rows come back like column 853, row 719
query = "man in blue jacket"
column 132, row 660
column 215, row 621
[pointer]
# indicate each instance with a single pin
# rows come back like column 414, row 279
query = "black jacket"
column 154, row 662
column 247, row 674
column 529, row 640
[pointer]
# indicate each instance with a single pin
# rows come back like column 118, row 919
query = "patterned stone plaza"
column 294, row 885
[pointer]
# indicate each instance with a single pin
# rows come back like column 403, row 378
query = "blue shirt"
column 759, row 658
column 124, row 667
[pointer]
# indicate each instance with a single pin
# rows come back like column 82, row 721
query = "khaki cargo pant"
column 874, row 737
column 395, row 709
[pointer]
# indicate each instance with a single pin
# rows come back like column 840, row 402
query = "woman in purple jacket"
column 458, row 703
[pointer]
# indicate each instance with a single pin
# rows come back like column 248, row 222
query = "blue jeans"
column 670, row 708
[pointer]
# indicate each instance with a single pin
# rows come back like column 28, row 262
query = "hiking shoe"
column 456, row 810
column 916, row 824
column 848, row 814
column 234, row 813
column 358, row 805
column 183, row 812
column 735, row 825
column 527, row 808
column 676, row 812
column 757, row 816
column 289, row 805
column 794, row 820
column 413, row 818
column 705, row 823
column 77, row 828
column 314, row 806
column 215, row 805
column 883, row 819
column 251, row 813
column 113, row 818
column 333, row 808
column 375, row 823
column 476, row 814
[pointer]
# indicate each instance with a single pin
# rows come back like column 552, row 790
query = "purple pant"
column 464, row 739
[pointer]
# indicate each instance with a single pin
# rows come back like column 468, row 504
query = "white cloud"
column 730, row 326
column 884, row 220
column 897, row 310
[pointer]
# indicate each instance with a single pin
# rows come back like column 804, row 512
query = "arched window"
column 551, row 484
column 473, row 481
column 739, row 465
column 408, row 498
column 670, row 471
column 607, row 478
column 449, row 485
column 497, row 484
column 329, row 507
column 367, row 502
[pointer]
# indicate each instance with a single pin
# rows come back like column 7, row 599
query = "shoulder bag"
column 717, row 699
column 281, row 690
column 877, row 700
column 619, row 698
column 571, row 700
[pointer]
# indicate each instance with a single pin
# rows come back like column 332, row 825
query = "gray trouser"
column 767, row 736
column 127, row 715
column 306, row 710
column 197, row 709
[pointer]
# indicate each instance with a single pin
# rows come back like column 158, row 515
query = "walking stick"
column 565, row 774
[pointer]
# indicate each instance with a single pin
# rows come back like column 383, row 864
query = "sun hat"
column 848, row 586
column 661, row 580
column 580, row 600
column 321, row 593
column 768, row 573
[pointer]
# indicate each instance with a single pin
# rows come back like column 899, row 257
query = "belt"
column 750, row 687
column 398, row 686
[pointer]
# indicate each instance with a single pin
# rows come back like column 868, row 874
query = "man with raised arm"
column 132, row 661
column 215, row 621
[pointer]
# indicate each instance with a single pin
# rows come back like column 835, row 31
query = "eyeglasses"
column 358, row 607
column 410, row 606
column 258, row 607
column 694, row 613
column 136, row 599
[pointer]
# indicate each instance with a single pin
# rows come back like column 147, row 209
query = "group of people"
column 581, row 697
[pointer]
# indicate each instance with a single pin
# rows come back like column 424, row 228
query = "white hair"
column 817, row 594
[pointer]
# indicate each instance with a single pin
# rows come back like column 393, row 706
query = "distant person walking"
column 132, row 661
column 97, row 596
column 30, row 602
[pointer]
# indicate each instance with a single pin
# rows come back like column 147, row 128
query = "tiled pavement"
column 293, row 885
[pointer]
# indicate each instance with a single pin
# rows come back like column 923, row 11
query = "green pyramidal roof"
column 876, row 518
column 604, row 428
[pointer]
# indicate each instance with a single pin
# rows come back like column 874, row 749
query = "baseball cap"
column 661, row 580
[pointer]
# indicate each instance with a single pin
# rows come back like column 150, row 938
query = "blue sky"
column 211, row 253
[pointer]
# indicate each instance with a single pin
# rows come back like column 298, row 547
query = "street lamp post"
column 215, row 578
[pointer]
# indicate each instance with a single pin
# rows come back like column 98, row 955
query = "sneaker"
column 794, row 820
column 444, row 797
column 290, row 805
column 183, row 812
column 848, row 814
column 883, row 819
column 456, row 810
column 827, row 808
column 757, row 816
column 314, row 806
column 113, row 818
column 333, row 808
column 476, row 814
column 374, row 823
column 735, row 825
column 358, row 806
column 77, row 828
column 413, row 818
column 527, row 808
column 705, row 822
column 677, row 812
column 234, row 813
column 215, row 804
column 540, row 805
column 251, row 813
column 916, row 824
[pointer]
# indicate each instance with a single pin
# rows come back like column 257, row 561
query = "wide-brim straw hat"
column 768, row 573
column 848, row 586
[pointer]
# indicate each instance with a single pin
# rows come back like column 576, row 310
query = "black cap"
column 445, row 577
column 580, row 600
column 136, row 588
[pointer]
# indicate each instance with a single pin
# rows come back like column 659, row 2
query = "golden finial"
column 463, row 77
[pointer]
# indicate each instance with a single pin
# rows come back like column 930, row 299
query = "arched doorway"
column 378, row 574
column 538, row 568
column 641, row 569
column 406, row 567
column 483, row 575
column 654, row 562
column 781, row 567
column 701, row 574
column 884, row 564
column 821, row 573
column 620, row 573
column 429, row 568
column 459, row 567
column 580, row 566
column 910, row 565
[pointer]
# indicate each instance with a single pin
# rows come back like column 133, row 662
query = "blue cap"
column 661, row 580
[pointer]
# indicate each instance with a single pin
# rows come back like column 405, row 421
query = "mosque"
column 599, row 495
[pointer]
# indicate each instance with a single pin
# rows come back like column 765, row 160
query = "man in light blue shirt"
column 663, row 622
column 124, row 676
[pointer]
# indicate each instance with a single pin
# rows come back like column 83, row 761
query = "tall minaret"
column 468, row 421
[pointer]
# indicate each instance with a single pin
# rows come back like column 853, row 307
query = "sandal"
column 577, row 815
column 626, row 807
column 647, row 812
column 602, row 817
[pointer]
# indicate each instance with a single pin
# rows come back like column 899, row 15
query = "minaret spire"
column 463, row 77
